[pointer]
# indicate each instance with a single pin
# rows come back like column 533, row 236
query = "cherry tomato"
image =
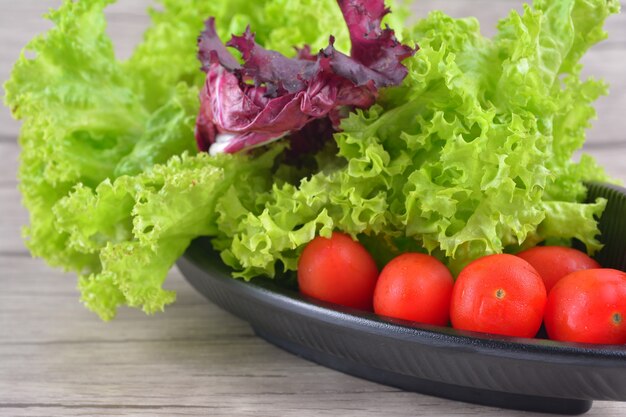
column 416, row 287
column 499, row 294
column 338, row 270
column 588, row 306
column 555, row 262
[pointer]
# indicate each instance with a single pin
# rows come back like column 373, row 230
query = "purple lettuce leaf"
column 211, row 49
column 374, row 47
column 270, row 96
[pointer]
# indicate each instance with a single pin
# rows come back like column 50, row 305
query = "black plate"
column 526, row 374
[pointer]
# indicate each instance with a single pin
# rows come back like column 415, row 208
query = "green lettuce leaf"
column 73, row 132
column 138, row 226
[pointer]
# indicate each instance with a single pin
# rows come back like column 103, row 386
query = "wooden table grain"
column 58, row 359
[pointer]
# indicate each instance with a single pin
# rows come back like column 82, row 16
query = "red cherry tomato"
column 588, row 306
column 416, row 287
column 555, row 262
column 499, row 294
column 338, row 270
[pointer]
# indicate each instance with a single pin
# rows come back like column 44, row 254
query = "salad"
column 417, row 138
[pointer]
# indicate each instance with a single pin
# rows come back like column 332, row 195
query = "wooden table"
column 56, row 358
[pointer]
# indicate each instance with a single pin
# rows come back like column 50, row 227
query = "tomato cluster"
column 566, row 290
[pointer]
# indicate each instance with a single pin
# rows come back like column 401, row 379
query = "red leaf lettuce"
column 270, row 96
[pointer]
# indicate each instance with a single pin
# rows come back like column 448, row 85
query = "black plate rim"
column 531, row 349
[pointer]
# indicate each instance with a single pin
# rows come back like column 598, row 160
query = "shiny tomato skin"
column 588, row 306
column 338, row 270
column 555, row 262
column 498, row 294
column 415, row 287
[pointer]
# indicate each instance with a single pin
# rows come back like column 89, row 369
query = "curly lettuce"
column 471, row 155
column 138, row 226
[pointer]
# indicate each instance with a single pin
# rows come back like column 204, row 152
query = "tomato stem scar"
column 617, row 319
